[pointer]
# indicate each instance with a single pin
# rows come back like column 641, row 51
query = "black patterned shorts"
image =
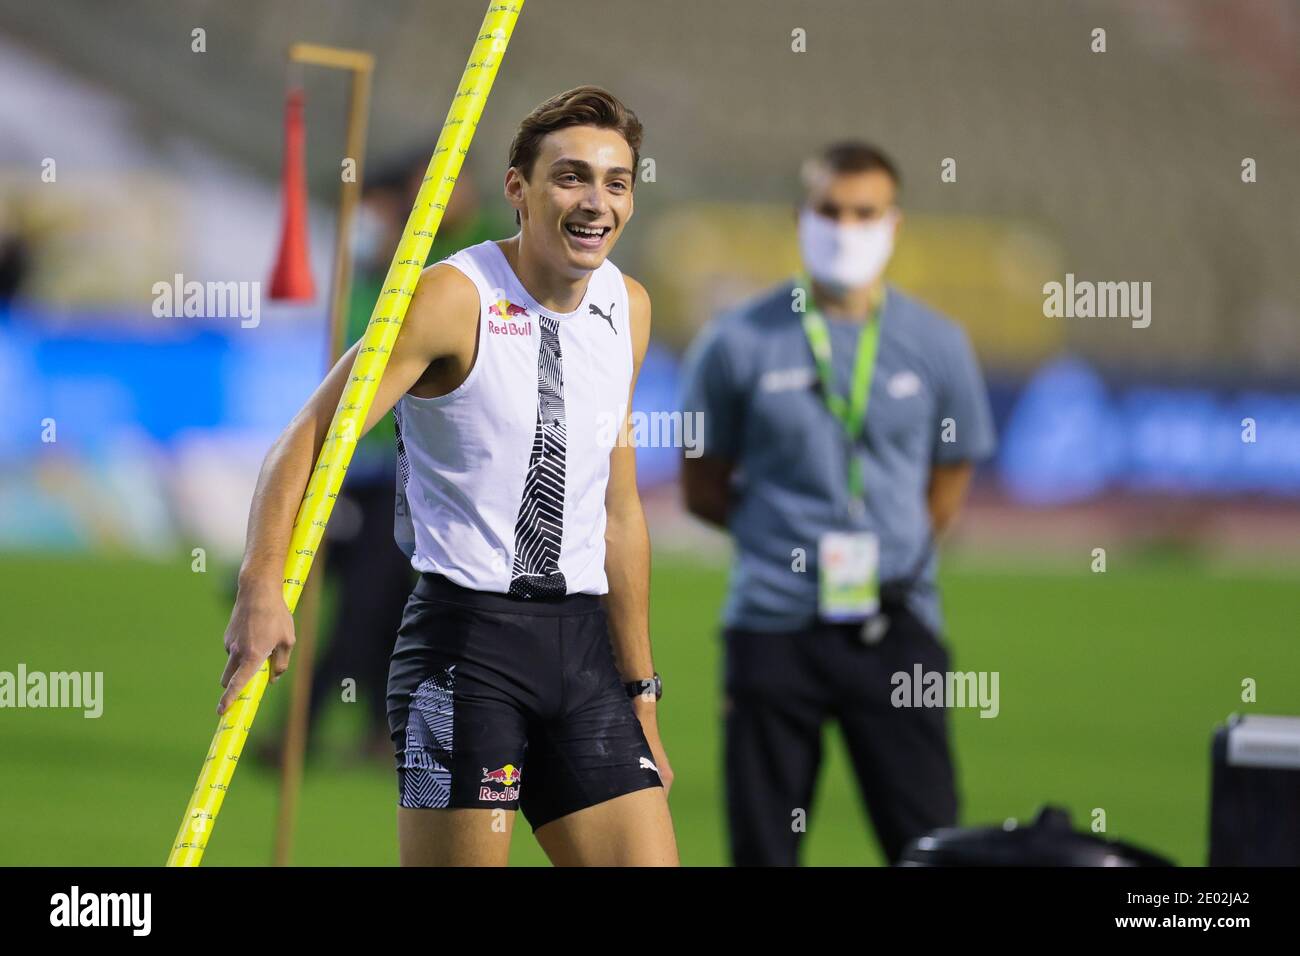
column 499, row 701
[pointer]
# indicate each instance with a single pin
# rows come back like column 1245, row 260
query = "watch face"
column 646, row 687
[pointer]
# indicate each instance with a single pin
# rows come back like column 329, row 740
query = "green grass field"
column 1110, row 687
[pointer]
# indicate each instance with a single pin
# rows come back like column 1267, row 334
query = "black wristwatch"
column 638, row 688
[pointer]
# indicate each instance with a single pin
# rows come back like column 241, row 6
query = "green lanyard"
column 851, row 413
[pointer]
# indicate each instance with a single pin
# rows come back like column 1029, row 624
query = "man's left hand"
column 646, row 713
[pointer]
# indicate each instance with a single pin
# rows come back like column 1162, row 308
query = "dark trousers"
column 781, row 688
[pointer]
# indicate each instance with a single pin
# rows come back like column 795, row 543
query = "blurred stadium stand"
column 1116, row 166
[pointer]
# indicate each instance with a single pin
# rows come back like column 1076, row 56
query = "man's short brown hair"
column 580, row 106
column 849, row 156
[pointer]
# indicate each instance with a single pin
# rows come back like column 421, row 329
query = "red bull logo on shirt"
column 505, row 309
column 507, row 777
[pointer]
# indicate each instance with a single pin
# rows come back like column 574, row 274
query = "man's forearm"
column 940, row 518
column 276, row 499
column 706, row 487
column 627, row 566
column 946, row 493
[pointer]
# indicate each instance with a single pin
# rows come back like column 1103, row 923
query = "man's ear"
column 514, row 192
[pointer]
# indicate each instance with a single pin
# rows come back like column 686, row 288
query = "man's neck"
column 853, row 305
column 553, row 291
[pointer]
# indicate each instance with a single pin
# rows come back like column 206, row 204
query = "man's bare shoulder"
column 637, row 295
column 444, row 287
column 638, row 305
column 444, row 310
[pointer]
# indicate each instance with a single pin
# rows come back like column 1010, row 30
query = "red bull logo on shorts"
column 506, row 777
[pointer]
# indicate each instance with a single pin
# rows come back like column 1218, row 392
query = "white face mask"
column 845, row 257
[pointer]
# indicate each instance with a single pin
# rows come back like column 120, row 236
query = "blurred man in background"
column 15, row 256
column 841, row 422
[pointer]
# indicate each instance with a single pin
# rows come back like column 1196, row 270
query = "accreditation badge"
column 848, row 584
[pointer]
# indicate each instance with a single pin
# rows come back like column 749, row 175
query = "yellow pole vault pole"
column 349, row 419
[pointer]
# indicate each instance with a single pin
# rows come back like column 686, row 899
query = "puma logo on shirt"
column 608, row 318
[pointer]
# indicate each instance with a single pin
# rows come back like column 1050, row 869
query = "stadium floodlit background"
column 1122, row 165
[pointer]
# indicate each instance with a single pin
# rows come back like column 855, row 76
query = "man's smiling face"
column 577, row 197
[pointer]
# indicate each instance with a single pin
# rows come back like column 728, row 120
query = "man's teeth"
column 586, row 230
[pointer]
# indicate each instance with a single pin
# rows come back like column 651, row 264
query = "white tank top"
column 501, row 482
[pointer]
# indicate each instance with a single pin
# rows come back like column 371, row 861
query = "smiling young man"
column 522, row 674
